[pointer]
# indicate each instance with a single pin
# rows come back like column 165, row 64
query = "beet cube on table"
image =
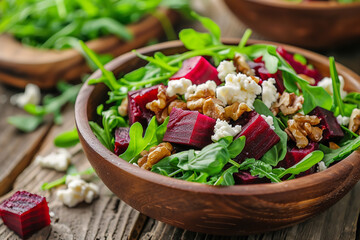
column 198, row 70
column 25, row 213
column 189, row 128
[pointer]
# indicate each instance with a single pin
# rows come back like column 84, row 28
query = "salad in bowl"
column 223, row 115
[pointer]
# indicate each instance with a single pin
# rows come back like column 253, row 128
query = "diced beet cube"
column 260, row 71
column 242, row 177
column 25, row 213
column 298, row 66
column 189, row 128
column 244, row 118
column 137, row 100
column 331, row 128
column 198, row 70
column 122, row 140
column 259, row 138
column 296, row 154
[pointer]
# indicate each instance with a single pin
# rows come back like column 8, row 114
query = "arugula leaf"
column 306, row 163
column 236, row 147
column 277, row 152
column 227, row 178
column 337, row 101
column 314, row 96
column 100, row 134
column 353, row 98
column 245, row 38
column 67, row 139
column 211, row 26
column 26, row 123
column 261, row 169
column 195, row 40
column 333, row 155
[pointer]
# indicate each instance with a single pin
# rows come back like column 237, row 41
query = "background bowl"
column 318, row 25
column 20, row 65
column 233, row 210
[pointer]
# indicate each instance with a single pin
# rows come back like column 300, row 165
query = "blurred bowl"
column 234, row 210
column 316, row 25
column 20, row 65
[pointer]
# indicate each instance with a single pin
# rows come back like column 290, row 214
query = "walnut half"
column 288, row 103
column 301, row 127
column 354, row 123
column 154, row 155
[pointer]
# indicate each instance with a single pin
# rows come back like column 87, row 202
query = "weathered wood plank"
column 16, row 148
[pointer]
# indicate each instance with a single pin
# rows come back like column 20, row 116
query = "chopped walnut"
column 123, row 108
column 159, row 106
column 154, row 155
column 195, row 101
column 196, row 105
column 301, row 127
column 354, row 123
column 176, row 104
column 213, row 108
column 288, row 103
column 242, row 66
column 333, row 145
column 235, row 110
column 310, row 80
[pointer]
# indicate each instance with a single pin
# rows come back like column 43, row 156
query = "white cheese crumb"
column 225, row 68
column 223, row 129
column 326, row 83
column 58, row 160
column 343, row 120
column 269, row 92
column 238, row 88
column 269, row 121
column 52, row 214
column 194, row 89
column 178, row 87
column 30, row 95
column 78, row 191
column 321, row 166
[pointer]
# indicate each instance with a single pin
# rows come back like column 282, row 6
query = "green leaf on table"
column 67, row 139
column 26, row 123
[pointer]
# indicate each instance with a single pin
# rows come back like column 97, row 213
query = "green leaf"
column 300, row 58
column 262, row 169
column 211, row 26
column 67, row 139
column 305, row 164
column 337, row 101
column 315, row 96
column 26, row 123
column 195, row 40
column 245, row 38
column 277, row 152
column 237, row 146
column 100, row 134
column 353, row 98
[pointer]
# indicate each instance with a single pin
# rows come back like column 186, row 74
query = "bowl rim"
column 85, row 132
column 312, row 5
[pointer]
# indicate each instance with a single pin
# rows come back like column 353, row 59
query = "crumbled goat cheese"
column 194, row 89
column 223, row 129
column 269, row 93
column 30, row 95
column 238, row 88
column 269, row 121
column 58, row 160
column 178, row 87
column 225, row 68
column 326, row 83
column 343, row 120
column 321, row 166
column 78, row 191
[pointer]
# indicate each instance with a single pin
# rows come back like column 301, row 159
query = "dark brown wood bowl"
column 20, row 65
column 234, row 210
column 317, row 25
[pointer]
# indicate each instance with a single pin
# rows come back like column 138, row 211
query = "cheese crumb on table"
column 78, row 191
column 58, row 160
column 223, row 129
column 31, row 95
column 225, row 68
column 179, row 86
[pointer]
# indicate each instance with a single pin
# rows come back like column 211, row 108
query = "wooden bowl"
column 233, row 210
column 20, row 65
column 309, row 24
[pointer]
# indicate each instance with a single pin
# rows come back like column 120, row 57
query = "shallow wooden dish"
column 231, row 210
column 20, row 65
column 309, row 24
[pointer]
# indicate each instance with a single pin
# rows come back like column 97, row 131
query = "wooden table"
column 110, row 218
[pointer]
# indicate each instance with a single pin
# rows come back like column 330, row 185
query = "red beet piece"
column 246, row 178
column 260, row 71
column 259, row 138
column 295, row 155
column 198, row 70
column 122, row 140
column 331, row 128
column 189, row 128
column 299, row 67
column 25, row 213
column 138, row 99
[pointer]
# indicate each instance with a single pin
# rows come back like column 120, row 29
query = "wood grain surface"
column 110, row 218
